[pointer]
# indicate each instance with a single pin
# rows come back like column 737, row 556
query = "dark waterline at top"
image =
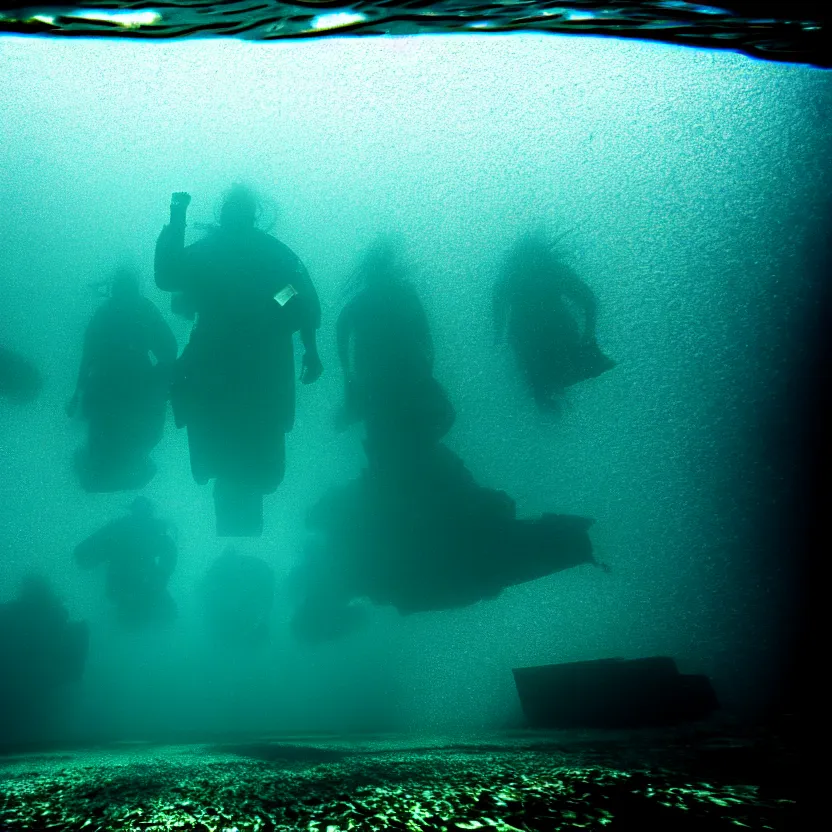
column 794, row 32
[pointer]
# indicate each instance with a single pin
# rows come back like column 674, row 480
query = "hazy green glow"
column 691, row 178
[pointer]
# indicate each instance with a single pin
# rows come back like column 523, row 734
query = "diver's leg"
column 199, row 446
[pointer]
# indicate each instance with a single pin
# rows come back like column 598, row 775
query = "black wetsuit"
column 129, row 351
column 235, row 381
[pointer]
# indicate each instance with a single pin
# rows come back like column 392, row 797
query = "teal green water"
column 695, row 183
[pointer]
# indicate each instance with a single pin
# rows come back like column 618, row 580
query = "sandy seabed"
column 670, row 780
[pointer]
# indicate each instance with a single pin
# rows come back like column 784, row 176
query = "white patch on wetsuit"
column 285, row 294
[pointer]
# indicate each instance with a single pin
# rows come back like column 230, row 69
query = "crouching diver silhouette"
column 533, row 299
column 139, row 555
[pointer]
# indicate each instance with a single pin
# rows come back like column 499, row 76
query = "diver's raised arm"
column 169, row 263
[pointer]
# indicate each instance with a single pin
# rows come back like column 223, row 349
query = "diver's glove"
column 179, row 203
column 312, row 367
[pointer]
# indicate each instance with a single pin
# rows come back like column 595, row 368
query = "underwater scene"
column 413, row 431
